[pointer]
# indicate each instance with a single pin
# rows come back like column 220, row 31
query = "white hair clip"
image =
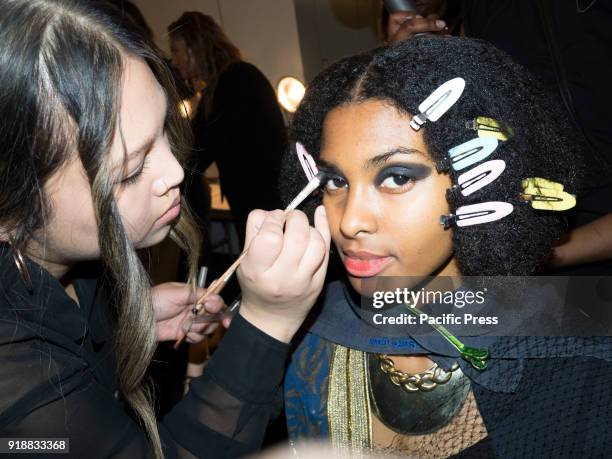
column 438, row 102
column 307, row 161
column 476, row 214
column 480, row 176
column 315, row 178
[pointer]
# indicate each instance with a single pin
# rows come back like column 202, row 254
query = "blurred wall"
column 332, row 29
column 264, row 30
column 282, row 37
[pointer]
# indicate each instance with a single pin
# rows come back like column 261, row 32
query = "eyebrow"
column 327, row 167
column 143, row 148
column 374, row 162
column 381, row 159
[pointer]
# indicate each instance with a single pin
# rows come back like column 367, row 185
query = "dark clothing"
column 58, row 377
column 582, row 34
column 585, row 43
column 245, row 135
column 538, row 397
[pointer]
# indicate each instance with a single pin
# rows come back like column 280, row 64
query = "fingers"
column 198, row 332
column 178, row 293
column 213, row 303
column 405, row 25
column 322, row 224
column 267, row 244
column 318, row 246
column 396, row 20
column 297, row 237
column 254, row 222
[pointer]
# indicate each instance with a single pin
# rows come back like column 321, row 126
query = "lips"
column 364, row 264
column 173, row 211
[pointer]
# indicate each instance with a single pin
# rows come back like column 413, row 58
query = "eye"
column 132, row 179
column 400, row 178
column 395, row 181
column 334, row 183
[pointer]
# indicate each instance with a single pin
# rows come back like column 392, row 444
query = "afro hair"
column 541, row 142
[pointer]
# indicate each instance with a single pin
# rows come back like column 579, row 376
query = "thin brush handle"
column 219, row 283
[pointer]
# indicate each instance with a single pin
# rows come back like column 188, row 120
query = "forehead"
column 143, row 103
column 366, row 129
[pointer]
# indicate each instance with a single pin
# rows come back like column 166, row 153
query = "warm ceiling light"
column 290, row 92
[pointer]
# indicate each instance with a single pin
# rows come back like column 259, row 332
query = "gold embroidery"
column 348, row 403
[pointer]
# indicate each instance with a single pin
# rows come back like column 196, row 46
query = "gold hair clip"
column 544, row 194
column 487, row 127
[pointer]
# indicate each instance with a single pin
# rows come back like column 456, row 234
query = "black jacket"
column 58, row 377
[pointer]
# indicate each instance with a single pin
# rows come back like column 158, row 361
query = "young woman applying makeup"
column 401, row 201
column 89, row 140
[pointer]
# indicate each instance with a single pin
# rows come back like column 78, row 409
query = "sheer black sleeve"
column 226, row 411
column 50, row 387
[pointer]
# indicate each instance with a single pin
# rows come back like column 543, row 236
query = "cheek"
column 417, row 223
column 72, row 225
column 135, row 208
column 333, row 208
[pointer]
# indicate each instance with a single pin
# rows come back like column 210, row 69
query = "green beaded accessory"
column 477, row 357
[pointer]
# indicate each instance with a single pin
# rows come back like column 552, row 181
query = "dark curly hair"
column 541, row 142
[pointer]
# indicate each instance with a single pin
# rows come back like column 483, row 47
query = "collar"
column 339, row 320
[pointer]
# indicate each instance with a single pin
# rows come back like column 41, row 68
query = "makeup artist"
column 238, row 124
column 90, row 149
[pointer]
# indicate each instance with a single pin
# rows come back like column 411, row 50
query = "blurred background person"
column 238, row 124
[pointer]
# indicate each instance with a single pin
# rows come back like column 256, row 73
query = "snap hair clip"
column 472, row 152
column 480, row 176
column 476, row 214
column 448, row 221
column 545, row 194
column 438, row 102
column 306, row 161
column 487, row 127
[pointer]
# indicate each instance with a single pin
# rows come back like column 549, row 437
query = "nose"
column 359, row 217
column 172, row 174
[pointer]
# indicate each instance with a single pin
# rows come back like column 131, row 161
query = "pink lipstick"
column 364, row 264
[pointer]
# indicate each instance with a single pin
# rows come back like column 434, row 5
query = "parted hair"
column 541, row 142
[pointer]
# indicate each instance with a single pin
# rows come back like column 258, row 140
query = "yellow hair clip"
column 487, row 127
column 546, row 195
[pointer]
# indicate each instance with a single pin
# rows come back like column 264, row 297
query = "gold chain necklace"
column 425, row 381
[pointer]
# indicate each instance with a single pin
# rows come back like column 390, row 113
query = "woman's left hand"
column 173, row 302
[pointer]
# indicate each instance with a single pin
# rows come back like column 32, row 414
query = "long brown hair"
column 61, row 63
column 212, row 49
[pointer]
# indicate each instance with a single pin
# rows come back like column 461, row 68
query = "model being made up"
column 443, row 158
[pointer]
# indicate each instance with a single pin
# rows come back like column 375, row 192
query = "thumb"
column 322, row 224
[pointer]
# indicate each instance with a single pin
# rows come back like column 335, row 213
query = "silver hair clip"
column 438, row 102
